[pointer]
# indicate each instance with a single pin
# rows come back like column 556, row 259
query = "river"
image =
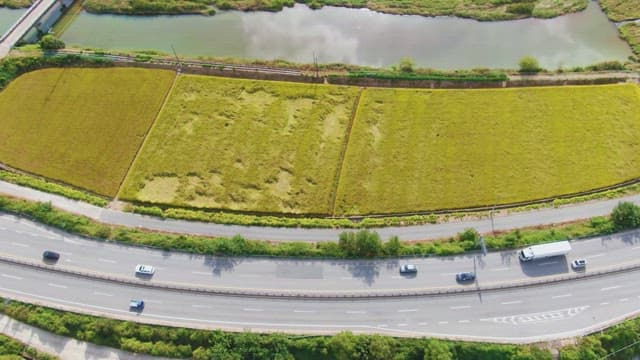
column 360, row 36
column 8, row 17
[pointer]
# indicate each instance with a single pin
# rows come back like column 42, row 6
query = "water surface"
column 361, row 36
column 8, row 17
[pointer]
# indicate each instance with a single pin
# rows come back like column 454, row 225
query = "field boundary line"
column 146, row 134
column 343, row 153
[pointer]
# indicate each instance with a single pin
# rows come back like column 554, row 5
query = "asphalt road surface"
column 524, row 315
column 26, row 240
column 418, row 232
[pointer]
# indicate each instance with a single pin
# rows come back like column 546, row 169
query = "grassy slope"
column 244, row 145
column 619, row 10
column 148, row 6
column 15, row 3
column 631, row 33
column 79, row 126
column 478, row 9
column 421, row 150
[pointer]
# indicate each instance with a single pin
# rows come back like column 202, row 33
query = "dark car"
column 51, row 255
column 136, row 305
column 465, row 276
column 408, row 269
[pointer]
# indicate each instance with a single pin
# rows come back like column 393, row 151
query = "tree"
column 406, row 65
column 529, row 64
column 343, row 346
column 470, row 236
column 626, row 215
column 381, row 347
column 393, row 246
column 50, row 42
column 364, row 243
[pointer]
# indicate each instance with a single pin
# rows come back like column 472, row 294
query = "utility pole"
column 179, row 65
column 315, row 63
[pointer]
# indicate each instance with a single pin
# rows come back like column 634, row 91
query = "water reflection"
column 360, row 36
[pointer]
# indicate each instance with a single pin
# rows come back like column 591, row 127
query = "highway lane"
column 26, row 240
column 524, row 315
column 418, row 232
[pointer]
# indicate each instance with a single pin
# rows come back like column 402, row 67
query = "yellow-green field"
column 244, row 145
column 79, row 126
column 421, row 150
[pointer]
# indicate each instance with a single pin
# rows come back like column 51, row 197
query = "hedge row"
column 363, row 243
column 203, row 344
column 435, row 76
column 51, row 187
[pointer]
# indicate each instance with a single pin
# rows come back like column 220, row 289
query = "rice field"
column 79, row 126
column 415, row 150
column 244, row 145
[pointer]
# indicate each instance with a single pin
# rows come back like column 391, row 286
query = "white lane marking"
column 19, row 244
column 422, row 323
column 248, row 275
column 201, row 306
column 403, row 324
column 201, row 273
column 561, row 296
column 101, row 293
column 12, row 277
column 604, row 303
column 383, row 325
column 596, row 255
column 610, row 288
column 635, row 248
column 57, row 286
column 459, row 307
column 407, row 310
column 396, row 277
column 442, row 322
column 447, row 274
column 624, row 299
column 548, row 263
column 500, row 269
column 356, row 312
column 511, row 302
column 305, row 311
column 252, row 309
column 107, row 261
column 346, row 278
column 464, row 321
column 153, row 301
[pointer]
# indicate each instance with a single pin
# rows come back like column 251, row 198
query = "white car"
column 145, row 269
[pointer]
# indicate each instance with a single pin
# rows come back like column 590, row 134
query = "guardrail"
column 319, row 295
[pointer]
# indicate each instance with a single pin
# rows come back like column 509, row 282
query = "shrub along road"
column 418, row 232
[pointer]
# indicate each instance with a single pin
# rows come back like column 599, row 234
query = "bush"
column 626, row 215
column 529, row 64
column 50, row 42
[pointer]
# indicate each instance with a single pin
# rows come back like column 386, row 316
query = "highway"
column 418, row 232
column 22, row 26
column 526, row 315
column 23, row 239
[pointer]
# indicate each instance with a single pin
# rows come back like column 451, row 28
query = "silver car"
column 145, row 269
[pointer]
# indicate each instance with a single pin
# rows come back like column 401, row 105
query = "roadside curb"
column 319, row 295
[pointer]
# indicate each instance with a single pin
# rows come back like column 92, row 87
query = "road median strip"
column 310, row 294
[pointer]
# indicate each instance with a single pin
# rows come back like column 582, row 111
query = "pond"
column 361, row 36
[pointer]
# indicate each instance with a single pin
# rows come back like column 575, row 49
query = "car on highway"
column 408, row 269
column 145, row 269
column 465, row 276
column 579, row 264
column 136, row 304
column 51, row 255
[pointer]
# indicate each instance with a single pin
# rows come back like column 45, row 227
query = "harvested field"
column 413, row 150
column 79, row 126
column 244, row 145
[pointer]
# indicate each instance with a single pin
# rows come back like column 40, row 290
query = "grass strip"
column 12, row 349
column 631, row 34
column 239, row 246
column 51, row 187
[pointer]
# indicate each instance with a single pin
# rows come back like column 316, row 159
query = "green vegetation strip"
column 12, row 349
column 419, row 150
column 350, row 245
column 631, row 34
column 80, row 126
column 50, row 187
column 244, row 145
column 620, row 10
